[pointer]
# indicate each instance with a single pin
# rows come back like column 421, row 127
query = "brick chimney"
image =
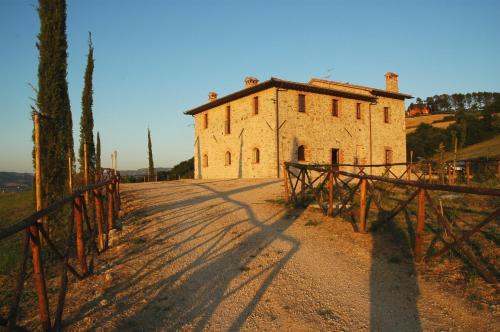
column 250, row 81
column 391, row 82
column 212, row 96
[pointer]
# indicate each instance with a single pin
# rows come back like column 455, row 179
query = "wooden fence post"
column 116, row 203
column 430, row 171
column 303, row 184
column 111, row 214
column 330, row 193
column 36, row 253
column 80, row 244
column 86, row 173
column 98, row 217
column 285, row 178
column 362, row 205
column 467, row 171
column 38, row 173
column 70, row 174
column 420, row 225
column 39, row 275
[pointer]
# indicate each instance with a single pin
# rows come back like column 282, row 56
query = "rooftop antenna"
column 328, row 73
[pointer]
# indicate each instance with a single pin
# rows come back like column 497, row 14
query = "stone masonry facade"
column 250, row 133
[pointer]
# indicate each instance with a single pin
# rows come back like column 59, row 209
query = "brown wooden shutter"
column 302, row 103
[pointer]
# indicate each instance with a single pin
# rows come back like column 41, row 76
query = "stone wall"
column 316, row 129
column 248, row 132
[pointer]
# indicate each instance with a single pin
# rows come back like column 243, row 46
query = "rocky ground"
column 221, row 255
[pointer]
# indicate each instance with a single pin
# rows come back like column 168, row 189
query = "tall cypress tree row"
column 98, row 153
column 151, row 171
column 87, row 119
column 56, row 137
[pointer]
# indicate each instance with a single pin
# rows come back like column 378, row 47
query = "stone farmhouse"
column 251, row 132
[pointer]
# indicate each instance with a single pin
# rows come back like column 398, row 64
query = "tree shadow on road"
column 223, row 261
column 394, row 290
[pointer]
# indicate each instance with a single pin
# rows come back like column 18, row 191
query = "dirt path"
column 218, row 255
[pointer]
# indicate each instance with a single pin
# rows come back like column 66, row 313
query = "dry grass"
column 489, row 148
column 416, row 121
column 13, row 207
column 413, row 123
column 452, row 270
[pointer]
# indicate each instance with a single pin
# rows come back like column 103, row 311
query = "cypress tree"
column 87, row 119
column 151, row 171
column 56, row 128
column 98, row 153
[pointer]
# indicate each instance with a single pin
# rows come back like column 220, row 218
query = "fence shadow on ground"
column 217, row 271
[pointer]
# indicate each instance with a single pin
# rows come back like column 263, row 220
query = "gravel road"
column 220, row 255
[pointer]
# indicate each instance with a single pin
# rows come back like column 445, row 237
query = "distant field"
column 413, row 123
column 489, row 148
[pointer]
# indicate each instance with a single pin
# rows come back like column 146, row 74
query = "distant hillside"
column 489, row 148
column 436, row 120
column 12, row 181
column 143, row 171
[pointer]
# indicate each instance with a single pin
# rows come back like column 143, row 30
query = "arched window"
column 205, row 160
column 228, row 158
column 300, row 153
column 256, row 156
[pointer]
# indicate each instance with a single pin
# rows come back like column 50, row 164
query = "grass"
column 489, row 148
column 13, row 207
column 311, row 222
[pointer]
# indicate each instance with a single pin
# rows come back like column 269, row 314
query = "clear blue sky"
column 155, row 59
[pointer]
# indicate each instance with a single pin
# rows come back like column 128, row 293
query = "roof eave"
column 275, row 82
column 389, row 94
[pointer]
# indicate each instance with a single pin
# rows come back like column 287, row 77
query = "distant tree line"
column 474, row 102
column 469, row 128
column 184, row 170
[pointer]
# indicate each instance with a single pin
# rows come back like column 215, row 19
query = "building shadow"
column 394, row 290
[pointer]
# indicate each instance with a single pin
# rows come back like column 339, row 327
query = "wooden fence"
column 89, row 232
column 451, row 172
column 337, row 192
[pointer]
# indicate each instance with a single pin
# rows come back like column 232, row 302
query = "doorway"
column 335, row 157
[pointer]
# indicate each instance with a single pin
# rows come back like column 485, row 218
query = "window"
column 335, row 107
column 335, row 157
column 301, row 153
column 386, row 114
column 205, row 160
column 302, row 103
column 358, row 111
column 388, row 156
column 205, row 120
column 228, row 158
column 255, row 105
column 256, row 156
column 228, row 120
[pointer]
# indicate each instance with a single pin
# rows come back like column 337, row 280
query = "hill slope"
column 436, row 120
column 489, row 148
column 11, row 181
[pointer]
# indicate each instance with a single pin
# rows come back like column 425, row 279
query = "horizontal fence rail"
column 450, row 172
column 92, row 213
column 340, row 192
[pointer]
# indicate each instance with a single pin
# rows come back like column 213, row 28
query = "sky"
column 156, row 59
